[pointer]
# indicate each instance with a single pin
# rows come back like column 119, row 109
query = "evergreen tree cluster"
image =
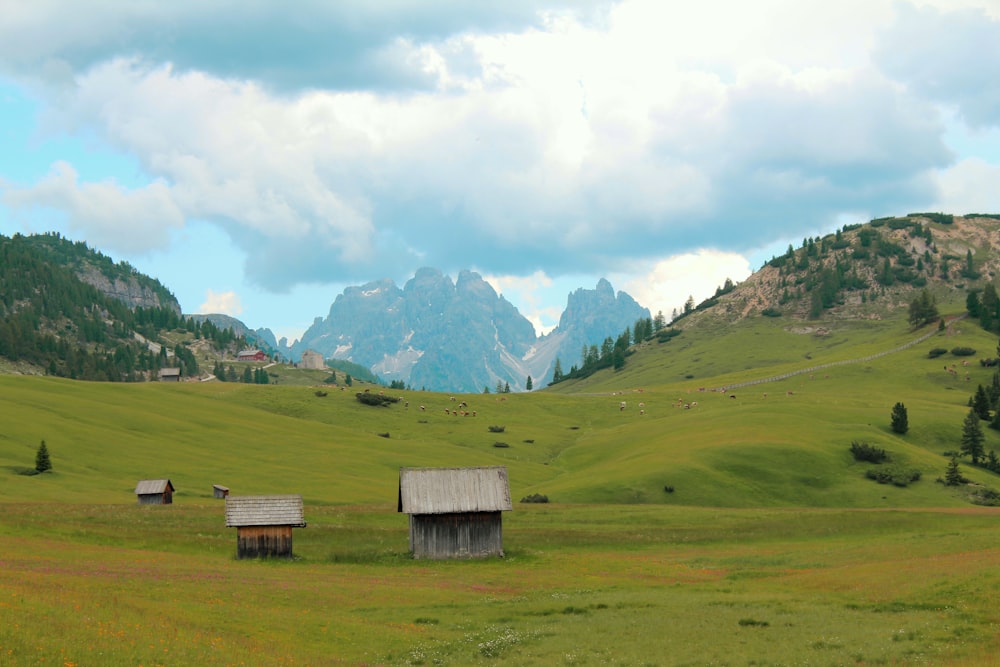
column 53, row 320
column 824, row 268
column 984, row 405
column 612, row 352
column 248, row 375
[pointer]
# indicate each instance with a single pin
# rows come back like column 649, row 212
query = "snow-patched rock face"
column 441, row 335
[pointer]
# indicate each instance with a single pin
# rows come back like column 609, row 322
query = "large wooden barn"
column 455, row 512
column 155, row 492
column 264, row 524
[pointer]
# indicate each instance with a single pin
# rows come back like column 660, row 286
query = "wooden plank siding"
column 264, row 542
column 455, row 512
column 155, row 492
column 466, row 535
column 264, row 524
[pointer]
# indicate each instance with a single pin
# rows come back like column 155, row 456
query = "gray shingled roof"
column 149, row 486
column 284, row 510
column 453, row 490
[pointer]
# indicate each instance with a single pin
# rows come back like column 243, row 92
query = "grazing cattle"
column 642, row 412
column 621, row 406
column 422, row 408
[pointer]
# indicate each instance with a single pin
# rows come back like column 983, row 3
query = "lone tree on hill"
column 952, row 475
column 900, row 421
column 972, row 437
column 42, row 460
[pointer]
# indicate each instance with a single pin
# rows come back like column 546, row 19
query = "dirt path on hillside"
column 844, row 362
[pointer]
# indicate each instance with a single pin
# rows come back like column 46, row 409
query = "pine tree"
column 557, row 372
column 972, row 437
column 981, row 403
column 900, row 422
column 528, row 384
column 952, row 475
column 42, row 460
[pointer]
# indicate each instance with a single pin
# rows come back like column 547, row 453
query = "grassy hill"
column 736, row 530
column 774, row 443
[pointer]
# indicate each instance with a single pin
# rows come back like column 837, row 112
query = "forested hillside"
column 55, row 322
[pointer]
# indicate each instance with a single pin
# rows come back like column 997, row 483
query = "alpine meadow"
column 785, row 474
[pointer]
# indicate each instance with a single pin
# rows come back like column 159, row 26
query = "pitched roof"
column 283, row 510
column 149, row 486
column 453, row 490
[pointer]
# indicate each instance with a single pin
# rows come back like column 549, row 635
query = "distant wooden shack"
column 219, row 491
column 455, row 512
column 264, row 524
column 155, row 492
column 170, row 375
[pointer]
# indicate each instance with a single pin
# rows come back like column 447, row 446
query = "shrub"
column 936, row 352
column 963, row 351
column 663, row 335
column 535, row 498
column 751, row 622
column 496, row 429
column 668, row 488
column 895, row 475
column 771, row 312
column 368, row 398
column 862, row 451
column 985, row 496
column 320, row 393
column 383, row 435
column 500, row 444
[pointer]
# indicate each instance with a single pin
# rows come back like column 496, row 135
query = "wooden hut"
column 219, row 491
column 170, row 375
column 264, row 524
column 455, row 512
column 155, row 492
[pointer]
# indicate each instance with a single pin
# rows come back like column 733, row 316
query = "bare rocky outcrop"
column 130, row 292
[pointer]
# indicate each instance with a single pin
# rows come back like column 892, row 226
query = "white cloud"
column 527, row 294
column 971, row 186
column 110, row 216
column 225, row 303
column 670, row 282
column 576, row 146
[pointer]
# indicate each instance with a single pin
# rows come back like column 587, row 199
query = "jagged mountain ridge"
column 459, row 336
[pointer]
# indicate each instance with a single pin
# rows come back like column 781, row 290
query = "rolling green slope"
column 778, row 443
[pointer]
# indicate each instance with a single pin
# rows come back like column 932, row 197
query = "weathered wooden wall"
column 467, row 535
column 165, row 498
column 266, row 541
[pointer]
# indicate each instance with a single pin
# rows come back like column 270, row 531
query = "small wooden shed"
column 155, row 492
column 219, row 491
column 455, row 512
column 170, row 375
column 264, row 524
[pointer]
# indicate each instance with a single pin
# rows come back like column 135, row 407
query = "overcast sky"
column 258, row 157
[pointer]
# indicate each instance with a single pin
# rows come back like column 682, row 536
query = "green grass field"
column 772, row 548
